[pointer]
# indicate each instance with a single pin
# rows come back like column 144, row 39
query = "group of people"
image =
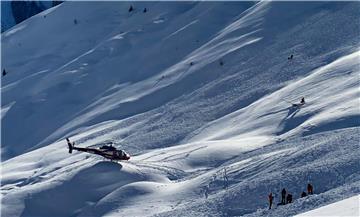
column 132, row 8
column 287, row 197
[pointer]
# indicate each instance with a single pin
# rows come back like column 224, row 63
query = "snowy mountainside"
column 345, row 207
column 122, row 75
column 199, row 97
column 14, row 12
column 7, row 18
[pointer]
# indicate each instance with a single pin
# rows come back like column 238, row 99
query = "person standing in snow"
column 131, row 8
column 283, row 195
column 309, row 189
column 271, row 198
column 226, row 179
column 3, row 73
column 206, row 191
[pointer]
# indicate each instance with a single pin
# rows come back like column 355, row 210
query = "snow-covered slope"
column 347, row 207
column 7, row 18
column 197, row 92
column 14, row 12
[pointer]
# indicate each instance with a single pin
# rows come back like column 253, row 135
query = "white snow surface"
column 347, row 207
column 199, row 93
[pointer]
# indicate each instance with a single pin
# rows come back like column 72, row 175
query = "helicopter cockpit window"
column 121, row 153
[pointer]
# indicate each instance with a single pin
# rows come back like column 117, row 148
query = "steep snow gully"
column 199, row 93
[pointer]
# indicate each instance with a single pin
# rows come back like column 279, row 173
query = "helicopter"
column 107, row 151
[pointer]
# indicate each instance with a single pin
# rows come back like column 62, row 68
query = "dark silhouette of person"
column 271, row 198
column 289, row 198
column 303, row 194
column 283, row 195
column 4, row 72
column 309, row 189
column 302, row 101
column 145, row 10
column 290, row 57
column 131, row 8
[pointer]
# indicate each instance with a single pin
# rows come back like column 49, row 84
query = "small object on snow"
column 75, row 21
column 4, row 73
column 302, row 101
column 221, row 63
column 191, row 63
column 303, row 194
column 162, row 77
column 145, row 10
column 131, row 8
column 291, row 57
column 289, row 198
